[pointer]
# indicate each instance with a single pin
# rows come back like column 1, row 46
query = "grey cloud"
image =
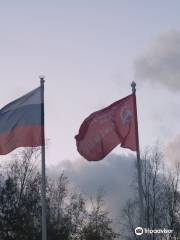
column 114, row 174
column 161, row 62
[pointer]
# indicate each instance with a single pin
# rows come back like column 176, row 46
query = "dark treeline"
column 69, row 215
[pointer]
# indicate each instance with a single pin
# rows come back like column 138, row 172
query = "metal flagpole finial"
column 133, row 85
column 42, row 77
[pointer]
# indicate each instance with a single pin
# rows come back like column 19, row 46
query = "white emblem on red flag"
column 126, row 115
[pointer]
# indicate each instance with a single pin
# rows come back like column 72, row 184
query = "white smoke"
column 114, row 175
column 161, row 62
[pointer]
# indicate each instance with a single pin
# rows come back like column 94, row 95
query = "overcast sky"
column 90, row 51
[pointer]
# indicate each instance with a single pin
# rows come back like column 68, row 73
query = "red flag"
column 103, row 130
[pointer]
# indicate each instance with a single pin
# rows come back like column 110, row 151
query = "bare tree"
column 99, row 225
column 68, row 214
column 20, row 198
column 161, row 198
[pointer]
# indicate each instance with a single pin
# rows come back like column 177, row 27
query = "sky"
column 89, row 53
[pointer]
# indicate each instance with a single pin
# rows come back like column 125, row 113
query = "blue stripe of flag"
column 25, row 115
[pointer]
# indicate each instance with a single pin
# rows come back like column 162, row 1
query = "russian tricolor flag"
column 21, row 122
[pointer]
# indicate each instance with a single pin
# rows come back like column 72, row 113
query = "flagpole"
column 139, row 170
column 44, row 224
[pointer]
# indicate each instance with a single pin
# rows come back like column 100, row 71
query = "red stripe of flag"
column 25, row 136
